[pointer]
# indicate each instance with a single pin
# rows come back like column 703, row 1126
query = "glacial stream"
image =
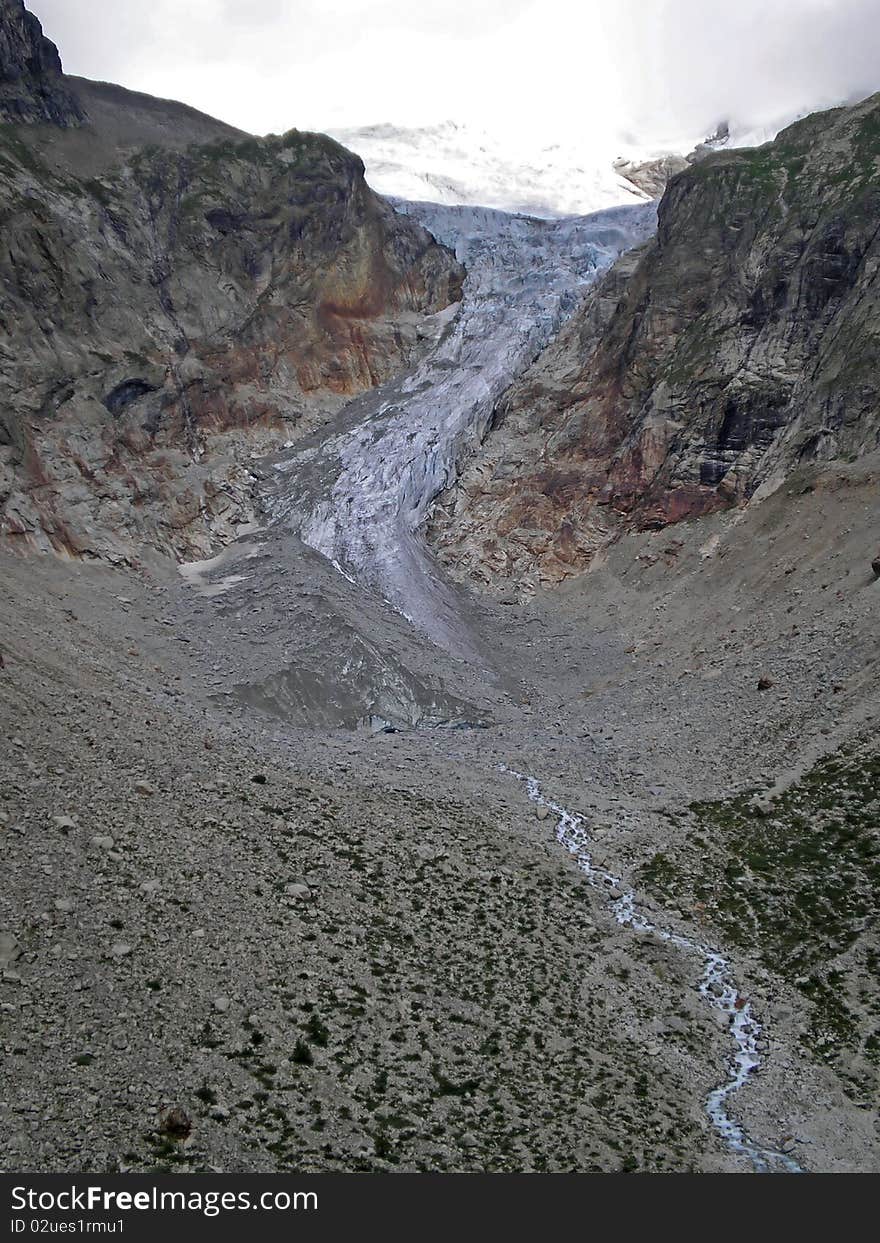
column 716, row 986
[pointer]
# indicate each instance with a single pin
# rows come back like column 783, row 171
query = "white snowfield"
column 361, row 496
column 459, row 165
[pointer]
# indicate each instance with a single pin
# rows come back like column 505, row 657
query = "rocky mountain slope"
column 738, row 346
column 323, row 953
column 170, row 308
column 337, row 949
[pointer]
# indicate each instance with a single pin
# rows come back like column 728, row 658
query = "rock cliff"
column 32, row 88
column 739, row 345
column 175, row 298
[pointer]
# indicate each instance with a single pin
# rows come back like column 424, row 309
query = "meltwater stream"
column 716, row 987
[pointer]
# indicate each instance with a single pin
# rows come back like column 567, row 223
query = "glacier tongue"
column 361, row 496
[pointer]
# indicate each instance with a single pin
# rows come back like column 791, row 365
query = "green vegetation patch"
column 797, row 881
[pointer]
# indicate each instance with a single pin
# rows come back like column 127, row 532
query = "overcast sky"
column 656, row 68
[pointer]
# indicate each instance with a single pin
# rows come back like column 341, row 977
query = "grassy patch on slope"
column 797, row 881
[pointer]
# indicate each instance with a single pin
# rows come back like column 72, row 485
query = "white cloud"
column 658, row 68
column 754, row 60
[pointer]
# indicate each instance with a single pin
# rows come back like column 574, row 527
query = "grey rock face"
column 32, row 87
column 179, row 313
column 740, row 349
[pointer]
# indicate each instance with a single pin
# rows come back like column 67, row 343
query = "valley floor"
column 345, row 950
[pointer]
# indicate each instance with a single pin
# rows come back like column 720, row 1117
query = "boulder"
column 10, row 949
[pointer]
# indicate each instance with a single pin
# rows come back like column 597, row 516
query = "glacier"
column 361, row 495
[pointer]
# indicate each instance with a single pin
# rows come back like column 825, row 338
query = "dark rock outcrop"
column 32, row 87
column 742, row 346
